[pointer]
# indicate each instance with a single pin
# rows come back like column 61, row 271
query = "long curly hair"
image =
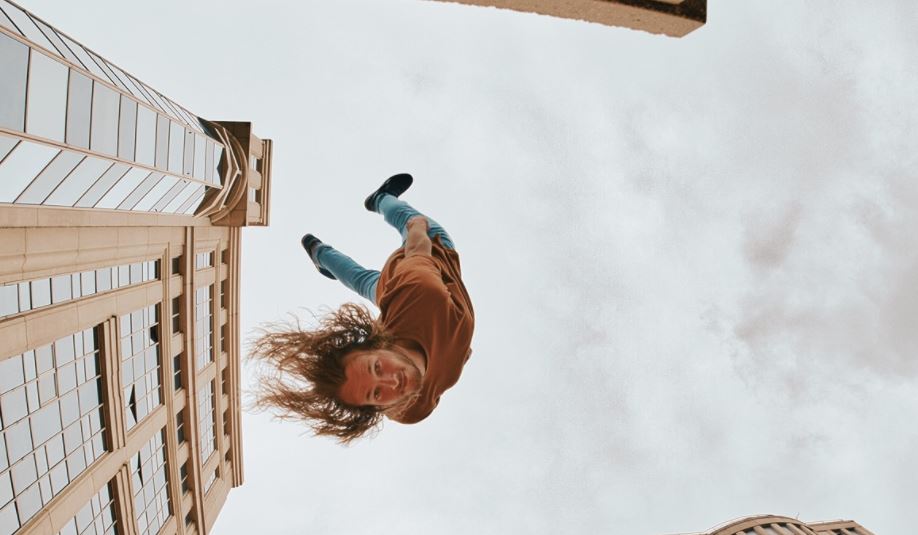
column 302, row 370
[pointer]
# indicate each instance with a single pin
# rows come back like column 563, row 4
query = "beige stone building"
column 675, row 18
column 782, row 525
column 120, row 223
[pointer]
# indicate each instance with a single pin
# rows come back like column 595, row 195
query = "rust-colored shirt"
column 422, row 300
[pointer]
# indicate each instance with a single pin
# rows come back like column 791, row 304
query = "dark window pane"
column 141, row 190
column 14, row 63
column 162, row 141
column 75, row 185
column 155, row 194
column 104, row 135
column 101, row 187
column 146, row 136
column 176, row 147
column 121, row 189
column 21, row 166
column 47, row 100
column 53, row 175
column 188, row 166
column 218, row 155
column 127, row 128
column 79, row 108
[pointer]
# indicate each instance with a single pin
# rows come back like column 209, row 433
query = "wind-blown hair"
column 302, row 370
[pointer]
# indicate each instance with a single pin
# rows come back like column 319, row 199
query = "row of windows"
column 97, row 517
column 45, row 98
column 140, row 363
column 38, row 32
column 150, row 478
column 28, row 295
column 34, row 173
column 52, row 427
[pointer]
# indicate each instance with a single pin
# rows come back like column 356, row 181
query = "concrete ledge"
column 674, row 18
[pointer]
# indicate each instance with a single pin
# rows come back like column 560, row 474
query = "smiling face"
column 379, row 378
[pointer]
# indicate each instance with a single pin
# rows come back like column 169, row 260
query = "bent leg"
column 397, row 212
column 351, row 274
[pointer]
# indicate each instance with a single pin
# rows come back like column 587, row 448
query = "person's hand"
column 418, row 220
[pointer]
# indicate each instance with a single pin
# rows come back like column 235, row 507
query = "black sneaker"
column 310, row 243
column 395, row 185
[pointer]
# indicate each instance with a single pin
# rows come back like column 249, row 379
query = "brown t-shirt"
column 422, row 300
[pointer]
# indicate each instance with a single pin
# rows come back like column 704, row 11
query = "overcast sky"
column 693, row 261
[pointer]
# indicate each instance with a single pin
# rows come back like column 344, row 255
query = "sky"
column 692, row 260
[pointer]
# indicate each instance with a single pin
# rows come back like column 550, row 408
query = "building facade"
column 675, row 18
column 120, row 223
column 782, row 525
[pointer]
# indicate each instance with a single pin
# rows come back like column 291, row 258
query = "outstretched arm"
column 417, row 243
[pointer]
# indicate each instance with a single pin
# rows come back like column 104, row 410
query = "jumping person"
column 344, row 376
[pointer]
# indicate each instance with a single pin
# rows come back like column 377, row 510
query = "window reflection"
column 101, row 187
column 162, row 141
column 123, row 188
column 21, row 166
column 146, row 136
column 126, row 128
column 176, row 147
column 75, row 185
column 79, row 106
column 104, row 134
column 14, row 63
column 155, row 194
column 47, row 97
column 53, row 174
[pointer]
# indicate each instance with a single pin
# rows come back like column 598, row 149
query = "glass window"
column 101, row 187
column 209, row 161
column 146, row 136
column 104, row 134
column 76, row 184
column 47, row 100
column 6, row 145
column 199, row 148
column 141, row 190
column 181, row 197
column 7, row 23
column 9, row 300
column 155, row 194
column 56, row 40
column 191, row 204
column 162, row 141
column 176, row 147
column 108, row 72
column 27, row 27
column 127, row 128
column 167, row 198
column 14, row 64
column 80, row 52
column 21, row 166
column 79, row 107
column 52, row 175
column 218, row 154
column 188, row 167
column 123, row 187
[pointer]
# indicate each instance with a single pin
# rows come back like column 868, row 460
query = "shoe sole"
column 395, row 185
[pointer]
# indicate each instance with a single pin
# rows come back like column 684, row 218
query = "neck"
column 413, row 353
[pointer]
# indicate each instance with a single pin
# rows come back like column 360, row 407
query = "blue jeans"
column 363, row 281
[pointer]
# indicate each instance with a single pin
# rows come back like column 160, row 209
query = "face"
column 378, row 378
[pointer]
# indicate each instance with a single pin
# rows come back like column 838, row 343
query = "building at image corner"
column 781, row 525
column 120, row 223
column 675, row 18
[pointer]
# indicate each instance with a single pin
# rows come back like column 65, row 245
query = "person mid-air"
column 344, row 376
